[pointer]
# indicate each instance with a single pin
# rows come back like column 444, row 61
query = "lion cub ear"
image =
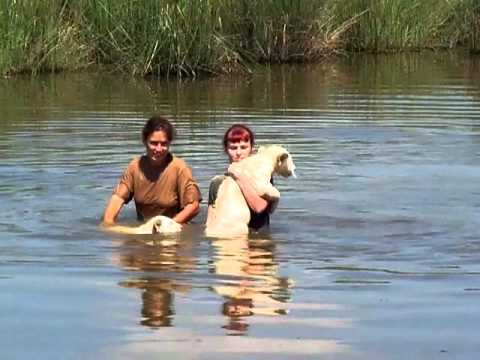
column 283, row 157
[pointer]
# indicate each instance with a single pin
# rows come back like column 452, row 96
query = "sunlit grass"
column 145, row 36
column 388, row 25
column 39, row 35
column 280, row 30
column 188, row 37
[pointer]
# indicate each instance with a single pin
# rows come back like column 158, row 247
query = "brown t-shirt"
column 158, row 191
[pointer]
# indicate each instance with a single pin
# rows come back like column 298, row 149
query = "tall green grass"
column 468, row 15
column 37, row 35
column 389, row 25
column 147, row 36
column 278, row 30
column 475, row 27
column 187, row 37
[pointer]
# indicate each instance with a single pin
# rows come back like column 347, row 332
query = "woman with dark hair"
column 238, row 143
column 159, row 182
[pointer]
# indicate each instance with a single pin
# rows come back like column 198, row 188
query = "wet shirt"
column 257, row 220
column 158, row 191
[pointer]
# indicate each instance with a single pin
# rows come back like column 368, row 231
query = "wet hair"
column 236, row 133
column 158, row 123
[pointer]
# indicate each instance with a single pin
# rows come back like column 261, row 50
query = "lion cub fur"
column 156, row 225
column 231, row 213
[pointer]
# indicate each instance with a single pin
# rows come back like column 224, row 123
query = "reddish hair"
column 237, row 133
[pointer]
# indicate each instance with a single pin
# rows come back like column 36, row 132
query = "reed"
column 475, row 27
column 279, row 30
column 386, row 25
column 147, row 36
column 468, row 19
column 36, row 36
column 187, row 37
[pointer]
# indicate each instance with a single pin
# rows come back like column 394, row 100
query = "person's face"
column 239, row 150
column 157, row 145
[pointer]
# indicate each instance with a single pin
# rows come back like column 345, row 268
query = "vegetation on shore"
column 188, row 37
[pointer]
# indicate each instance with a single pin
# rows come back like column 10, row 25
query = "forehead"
column 158, row 135
column 238, row 143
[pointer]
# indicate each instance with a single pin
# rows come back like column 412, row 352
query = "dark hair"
column 158, row 123
column 236, row 133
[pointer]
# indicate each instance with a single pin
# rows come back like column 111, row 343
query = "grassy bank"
column 186, row 37
column 40, row 36
column 471, row 18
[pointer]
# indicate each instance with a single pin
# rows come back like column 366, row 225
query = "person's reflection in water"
column 157, row 309
column 236, row 310
column 248, row 281
column 157, row 301
column 158, row 288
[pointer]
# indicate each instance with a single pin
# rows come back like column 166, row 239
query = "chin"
column 157, row 160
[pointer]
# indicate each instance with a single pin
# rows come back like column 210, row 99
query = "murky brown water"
column 373, row 252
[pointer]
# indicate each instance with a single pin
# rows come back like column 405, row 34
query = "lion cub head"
column 284, row 165
column 162, row 224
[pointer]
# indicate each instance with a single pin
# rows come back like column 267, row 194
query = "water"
column 373, row 252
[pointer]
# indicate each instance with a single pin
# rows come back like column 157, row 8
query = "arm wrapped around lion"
column 232, row 214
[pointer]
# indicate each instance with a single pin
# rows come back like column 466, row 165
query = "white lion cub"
column 231, row 214
column 156, row 225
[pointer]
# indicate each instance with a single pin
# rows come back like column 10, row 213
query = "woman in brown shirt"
column 159, row 182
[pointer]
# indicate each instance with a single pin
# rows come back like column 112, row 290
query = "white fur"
column 158, row 224
column 230, row 214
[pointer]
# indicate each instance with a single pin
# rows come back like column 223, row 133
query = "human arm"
column 112, row 210
column 187, row 213
column 189, row 195
column 255, row 202
column 121, row 195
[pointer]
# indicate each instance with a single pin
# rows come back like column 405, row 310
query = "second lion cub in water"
column 156, row 225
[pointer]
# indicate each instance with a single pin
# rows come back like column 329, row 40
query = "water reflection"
column 159, row 261
column 248, row 280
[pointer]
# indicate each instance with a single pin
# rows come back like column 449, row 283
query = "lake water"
column 373, row 252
